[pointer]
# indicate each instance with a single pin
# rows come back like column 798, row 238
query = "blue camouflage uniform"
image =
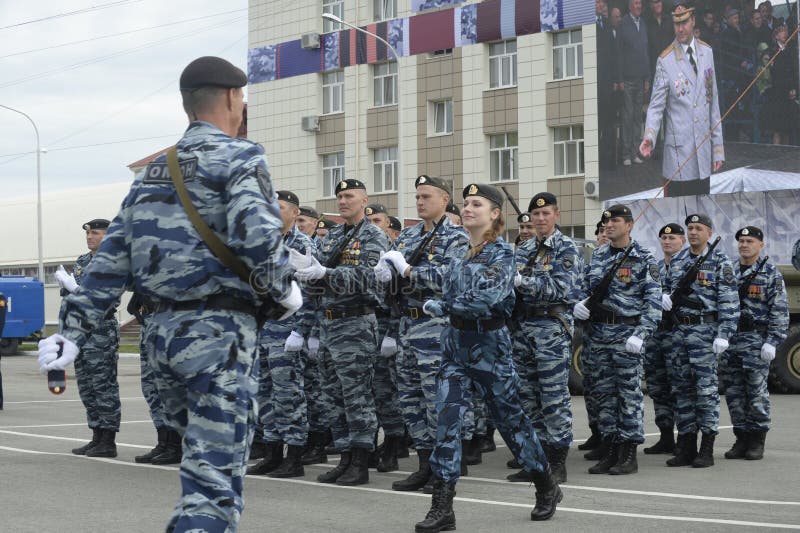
column 633, row 304
column 542, row 345
column 384, row 384
column 148, row 373
column 480, row 288
column 205, row 352
column 764, row 319
column 692, row 364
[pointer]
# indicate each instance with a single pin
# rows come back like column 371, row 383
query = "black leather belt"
column 693, row 320
column 380, row 313
column 215, row 302
column 414, row 313
column 333, row 314
column 614, row 319
column 553, row 311
column 474, row 325
column 745, row 328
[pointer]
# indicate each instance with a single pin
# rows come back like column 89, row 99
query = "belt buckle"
column 329, row 314
column 687, row 320
column 610, row 320
column 414, row 313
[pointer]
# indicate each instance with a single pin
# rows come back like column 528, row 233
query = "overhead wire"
column 71, row 13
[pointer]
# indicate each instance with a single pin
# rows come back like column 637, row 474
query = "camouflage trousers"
column 657, row 378
column 692, row 371
column 542, row 351
column 282, row 409
column 589, row 368
column 96, row 376
column 483, row 360
column 148, row 370
column 618, row 386
column 744, row 377
column 347, row 351
column 206, row 375
column 384, row 389
column 317, row 402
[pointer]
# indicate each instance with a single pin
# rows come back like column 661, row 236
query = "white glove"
column 383, row 273
column 517, row 280
column 313, row 346
column 294, row 342
column 299, row 261
column 433, row 308
column 666, row 302
column 293, row 302
column 634, row 344
column 65, row 280
column 719, row 346
column 388, row 346
column 580, row 311
column 397, row 260
column 48, row 353
column 767, row 352
column 311, row 272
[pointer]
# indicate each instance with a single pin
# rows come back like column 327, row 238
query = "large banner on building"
column 692, row 98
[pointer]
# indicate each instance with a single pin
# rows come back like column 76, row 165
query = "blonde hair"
column 490, row 235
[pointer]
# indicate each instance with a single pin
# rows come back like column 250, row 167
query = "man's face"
column 708, row 19
column 698, row 234
column 635, row 7
column 431, row 202
column 756, row 20
column 599, row 7
column 381, row 220
column 749, row 247
column 684, row 30
column 288, row 213
column 765, row 8
column 93, row 238
column 602, row 238
column 526, row 230
column 657, row 7
column 455, row 219
column 616, row 16
column 733, row 20
column 321, row 232
column 545, row 218
column 671, row 244
column 617, row 228
column 351, row 203
column 306, row 224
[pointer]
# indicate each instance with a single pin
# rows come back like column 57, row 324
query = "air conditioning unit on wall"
column 310, row 41
column 310, row 123
column 591, row 189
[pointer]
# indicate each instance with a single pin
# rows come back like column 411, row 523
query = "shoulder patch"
column 727, row 273
column 655, row 273
column 265, row 183
column 667, row 51
column 158, row 173
column 568, row 262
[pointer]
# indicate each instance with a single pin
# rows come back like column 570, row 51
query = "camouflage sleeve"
column 651, row 299
column 430, row 276
column 254, row 224
column 490, row 285
column 778, row 310
column 580, row 291
column 555, row 284
column 362, row 276
column 727, row 299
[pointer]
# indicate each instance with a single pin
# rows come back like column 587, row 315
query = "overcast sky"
column 79, row 96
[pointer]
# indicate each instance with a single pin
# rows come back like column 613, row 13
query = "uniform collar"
column 693, row 44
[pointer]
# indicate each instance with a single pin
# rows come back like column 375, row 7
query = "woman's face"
column 478, row 212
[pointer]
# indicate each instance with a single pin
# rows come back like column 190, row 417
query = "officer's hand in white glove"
column 433, row 308
column 311, row 272
column 767, row 352
column 388, row 346
column 292, row 302
column 634, row 344
column 580, row 310
column 294, row 342
column 48, row 353
column 666, row 302
column 65, row 280
column 719, row 346
column 299, row 261
column 397, row 261
column 517, row 279
column 383, row 272
column 313, row 346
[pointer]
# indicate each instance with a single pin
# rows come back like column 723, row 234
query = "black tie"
column 691, row 60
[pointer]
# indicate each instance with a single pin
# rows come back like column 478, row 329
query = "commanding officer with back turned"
column 207, row 290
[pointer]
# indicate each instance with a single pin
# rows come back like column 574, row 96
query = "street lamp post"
column 38, row 190
column 400, row 185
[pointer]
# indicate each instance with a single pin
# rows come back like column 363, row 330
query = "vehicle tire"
column 575, row 367
column 8, row 346
column 784, row 372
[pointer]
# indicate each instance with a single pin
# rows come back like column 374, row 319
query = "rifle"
column 746, row 319
column 336, row 256
column 683, row 291
column 511, row 200
column 601, row 289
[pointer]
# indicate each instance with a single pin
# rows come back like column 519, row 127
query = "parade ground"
column 46, row 488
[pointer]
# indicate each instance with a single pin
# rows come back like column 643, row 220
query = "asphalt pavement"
column 43, row 487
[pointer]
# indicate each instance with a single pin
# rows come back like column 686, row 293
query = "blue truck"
column 24, row 317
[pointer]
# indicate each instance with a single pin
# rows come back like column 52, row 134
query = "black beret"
column 489, row 192
column 682, row 11
column 541, row 200
column 433, row 182
column 750, row 231
column 698, row 219
column 671, row 229
column 211, row 71
column 375, row 209
column 349, row 183
column 394, row 223
column 308, row 211
column 326, row 223
column 98, row 223
column 289, row 196
column 453, row 209
column 619, row 210
column 523, row 217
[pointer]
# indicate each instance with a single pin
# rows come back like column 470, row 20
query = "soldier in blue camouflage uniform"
column 348, row 329
column 282, row 408
column 672, row 238
column 205, row 326
column 763, row 325
column 548, row 267
column 307, row 221
column 705, row 322
column 619, row 323
column 478, row 295
column 96, row 366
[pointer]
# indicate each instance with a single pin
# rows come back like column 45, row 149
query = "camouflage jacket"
column 556, row 270
column 766, row 303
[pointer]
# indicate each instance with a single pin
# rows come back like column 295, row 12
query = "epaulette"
column 703, row 43
column 667, row 51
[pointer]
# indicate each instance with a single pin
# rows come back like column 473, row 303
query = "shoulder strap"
column 218, row 248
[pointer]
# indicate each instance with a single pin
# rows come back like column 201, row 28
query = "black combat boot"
column 740, row 447
column 705, row 456
column 291, row 465
column 330, row 447
column 558, row 462
column 523, row 476
column 428, row 488
column 486, row 442
column 687, row 445
column 358, row 471
column 402, row 446
column 548, row 494
column 160, row 447
column 272, row 460
column 470, row 454
column 440, row 517
column 417, row 479
column 173, row 453
column 106, row 447
column 665, row 444
column 315, row 449
column 755, row 449
column 332, row 475
column 374, row 455
column 597, row 453
column 89, row 445
column 626, row 460
column 608, row 460
column 513, row 463
column 387, row 462
column 258, row 450
column 593, row 442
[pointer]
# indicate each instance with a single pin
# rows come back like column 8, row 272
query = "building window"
column 333, row 92
column 503, row 64
column 332, row 172
column 503, row 157
column 442, row 117
column 385, row 83
column 443, row 52
column 385, row 169
column 567, row 54
column 568, row 150
column 385, row 9
column 334, row 7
